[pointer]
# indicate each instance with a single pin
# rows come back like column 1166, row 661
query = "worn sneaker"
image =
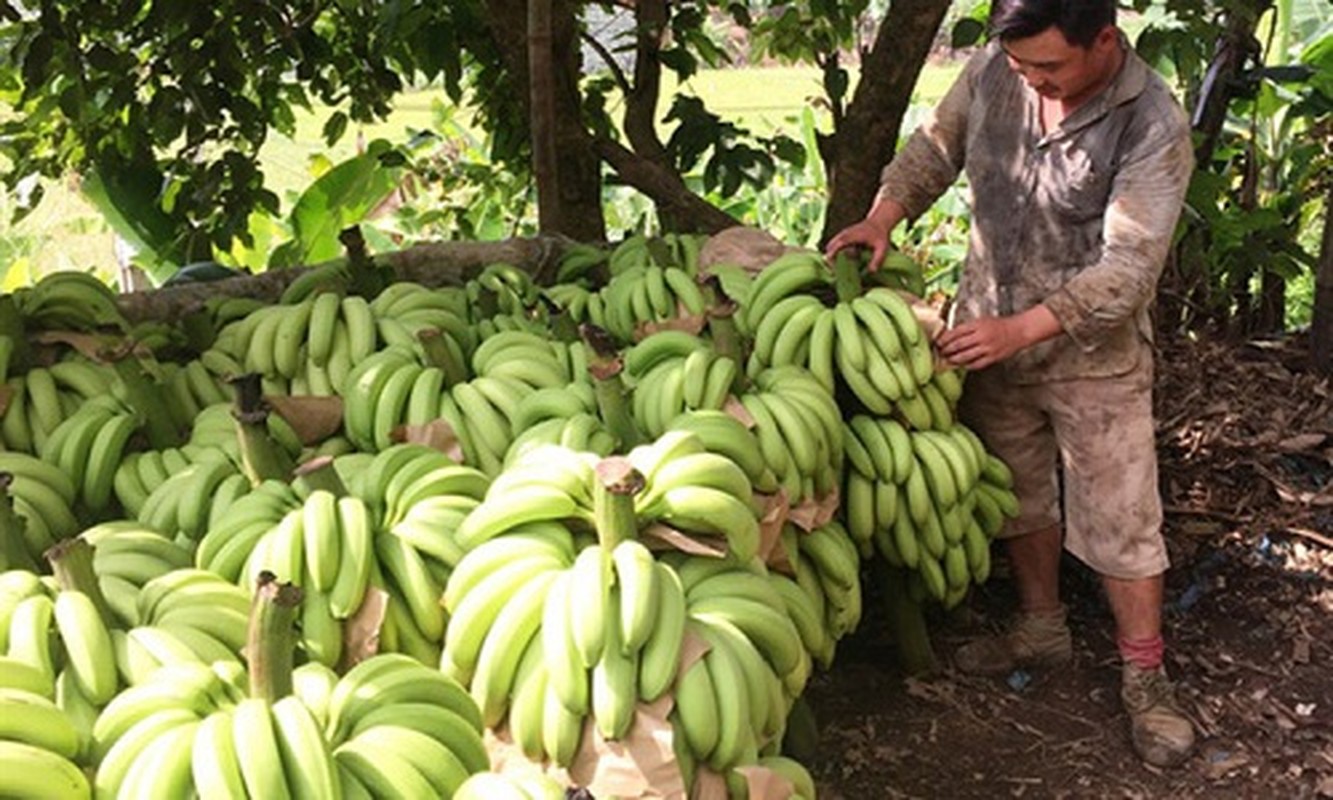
column 1033, row 640
column 1161, row 733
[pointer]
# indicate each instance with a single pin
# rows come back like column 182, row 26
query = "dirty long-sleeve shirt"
column 1079, row 219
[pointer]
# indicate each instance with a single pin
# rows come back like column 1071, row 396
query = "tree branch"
column 864, row 141
column 641, row 101
column 617, row 74
column 665, row 187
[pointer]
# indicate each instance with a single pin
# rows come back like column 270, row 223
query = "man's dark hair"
column 1079, row 20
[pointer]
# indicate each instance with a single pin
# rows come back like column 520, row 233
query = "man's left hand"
column 981, row 342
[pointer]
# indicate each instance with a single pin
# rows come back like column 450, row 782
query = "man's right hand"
column 865, row 233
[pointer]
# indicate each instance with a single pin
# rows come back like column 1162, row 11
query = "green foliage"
column 168, row 103
column 737, row 156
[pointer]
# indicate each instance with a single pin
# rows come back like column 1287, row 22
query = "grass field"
column 66, row 233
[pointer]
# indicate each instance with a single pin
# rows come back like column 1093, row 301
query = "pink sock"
column 1146, row 654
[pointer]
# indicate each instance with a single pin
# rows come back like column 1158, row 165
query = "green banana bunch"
column 799, row 430
column 577, row 260
column 834, row 566
column 528, row 358
column 737, row 698
column 547, row 483
column 697, row 491
column 885, row 358
column 641, row 298
column 673, row 372
column 375, row 396
column 413, row 308
column 183, row 503
column 685, row 250
column 794, row 272
column 44, row 496
column 231, row 538
column 28, row 770
column 724, row 434
column 208, row 613
column 143, row 740
column 69, row 300
column 631, row 252
column 401, row 729
column 503, row 287
column 922, row 500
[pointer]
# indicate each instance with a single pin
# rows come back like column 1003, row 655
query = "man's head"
column 1065, row 49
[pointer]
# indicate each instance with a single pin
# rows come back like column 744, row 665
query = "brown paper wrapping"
column 661, row 536
column 438, row 434
column 771, row 522
column 766, row 783
column 641, row 765
column 813, row 514
column 689, row 323
column 90, row 345
column 313, row 418
column 361, row 631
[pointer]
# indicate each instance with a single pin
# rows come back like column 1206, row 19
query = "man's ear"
column 1107, row 37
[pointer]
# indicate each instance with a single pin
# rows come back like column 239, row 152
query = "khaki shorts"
column 1098, row 435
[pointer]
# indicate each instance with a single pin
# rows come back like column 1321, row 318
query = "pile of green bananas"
column 496, row 578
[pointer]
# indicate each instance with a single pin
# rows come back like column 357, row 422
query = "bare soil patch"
column 1244, row 443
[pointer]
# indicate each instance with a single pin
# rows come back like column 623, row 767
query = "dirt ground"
column 1244, row 443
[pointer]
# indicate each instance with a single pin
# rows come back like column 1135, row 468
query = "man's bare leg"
column 1162, row 735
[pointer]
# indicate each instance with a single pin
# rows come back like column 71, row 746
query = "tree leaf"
column 966, row 32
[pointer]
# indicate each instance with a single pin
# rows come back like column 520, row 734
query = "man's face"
column 1058, row 70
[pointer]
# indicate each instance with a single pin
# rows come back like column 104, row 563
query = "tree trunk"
column 580, row 169
column 1321, row 328
column 433, row 264
column 541, row 101
column 1272, row 317
column 865, row 139
column 575, row 210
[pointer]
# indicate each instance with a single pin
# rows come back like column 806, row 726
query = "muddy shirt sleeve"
column 1145, row 202
column 933, row 157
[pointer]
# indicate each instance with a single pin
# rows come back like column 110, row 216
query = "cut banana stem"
column 72, row 562
column 270, row 642
column 613, row 501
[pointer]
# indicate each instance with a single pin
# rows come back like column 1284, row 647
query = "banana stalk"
column 271, row 637
column 613, row 501
column 439, row 355
column 72, row 562
column 262, row 458
column 907, row 617
column 13, row 551
column 605, row 366
column 727, row 340
column 146, row 397
column 564, row 328
column 846, row 277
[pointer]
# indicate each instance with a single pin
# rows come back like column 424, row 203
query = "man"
column 1077, row 157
